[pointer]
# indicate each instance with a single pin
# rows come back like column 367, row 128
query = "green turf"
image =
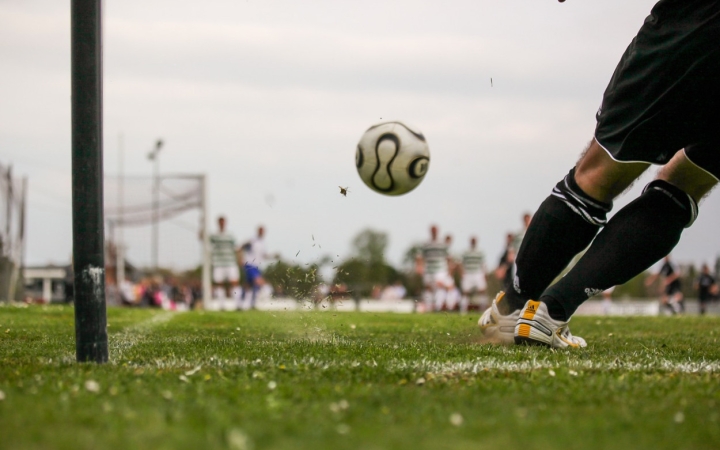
column 345, row 380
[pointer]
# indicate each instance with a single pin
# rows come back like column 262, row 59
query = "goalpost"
column 135, row 209
column 91, row 341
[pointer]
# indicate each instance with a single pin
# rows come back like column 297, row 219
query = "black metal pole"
column 87, row 167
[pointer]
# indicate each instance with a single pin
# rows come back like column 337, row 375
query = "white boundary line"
column 480, row 365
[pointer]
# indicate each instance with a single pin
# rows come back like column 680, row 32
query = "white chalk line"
column 131, row 335
column 119, row 343
column 478, row 366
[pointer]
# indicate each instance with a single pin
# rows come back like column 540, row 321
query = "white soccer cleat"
column 497, row 328
column 536, row 327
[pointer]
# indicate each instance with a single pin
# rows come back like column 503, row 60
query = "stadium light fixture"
column 154, row 156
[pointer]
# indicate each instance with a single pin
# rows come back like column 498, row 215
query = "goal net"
column 155, row 224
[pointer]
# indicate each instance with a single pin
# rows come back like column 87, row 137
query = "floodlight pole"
column 91, row 341
column 119, row 249
column 154, row 156
column 205, row 235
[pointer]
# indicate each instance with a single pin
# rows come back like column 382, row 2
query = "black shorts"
column 672, row 288
column 665, row 93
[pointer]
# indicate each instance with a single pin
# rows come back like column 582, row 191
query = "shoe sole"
column 531, row 332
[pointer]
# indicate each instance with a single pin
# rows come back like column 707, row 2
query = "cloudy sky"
column 269, row 98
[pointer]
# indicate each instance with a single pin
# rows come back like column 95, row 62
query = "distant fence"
column 621, row 307
column 12, row 233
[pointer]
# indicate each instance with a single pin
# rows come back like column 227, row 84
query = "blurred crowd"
column 168, row 293
column 439, row 278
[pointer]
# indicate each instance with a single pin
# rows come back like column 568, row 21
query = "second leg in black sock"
column 563, row 226
column 634, row 239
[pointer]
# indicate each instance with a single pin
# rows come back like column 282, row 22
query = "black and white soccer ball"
column 392, row 158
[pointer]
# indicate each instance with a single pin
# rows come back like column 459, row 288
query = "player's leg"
column 453, row 299
column 215, row 283
column 480, row 291
column 567, row 221
column 634, row 238
column 218, row 279
column 440, row 296
column 438, row 292
column 673, row 303
column 467, row 289
column 665, row 302
column 464, row 302
column 680, row 298
column 251, row 274
column 427, row 298
column 246, row 286
column 428, row 294
column 668, row 303
column 662, row 97
column 235, row 291
column 703, row 305
column 257, row 282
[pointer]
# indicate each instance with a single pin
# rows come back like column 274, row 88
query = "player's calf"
column 564, row 225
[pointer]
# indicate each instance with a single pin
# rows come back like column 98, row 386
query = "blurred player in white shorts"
column 473, row 277
column 434, row 270
column 224, row 262
column 254, row 256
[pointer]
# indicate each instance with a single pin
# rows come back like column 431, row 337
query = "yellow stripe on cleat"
column 523, row 330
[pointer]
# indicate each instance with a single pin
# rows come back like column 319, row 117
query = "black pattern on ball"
column 418, row 168
column 395, row 140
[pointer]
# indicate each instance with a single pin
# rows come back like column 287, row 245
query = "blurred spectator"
column 706, row 287
column 393, row 292
column 671, row 295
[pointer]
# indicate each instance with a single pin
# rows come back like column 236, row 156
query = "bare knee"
column 603, row 178
column 682, row 173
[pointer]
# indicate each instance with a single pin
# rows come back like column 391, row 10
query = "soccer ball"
column 392, row 158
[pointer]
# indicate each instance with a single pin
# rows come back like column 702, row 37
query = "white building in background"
column 47, row 283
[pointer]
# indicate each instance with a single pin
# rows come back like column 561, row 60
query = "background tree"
column 367, row 268
column 293, row 280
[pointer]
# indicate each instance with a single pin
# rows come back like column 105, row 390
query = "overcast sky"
column 269, row 98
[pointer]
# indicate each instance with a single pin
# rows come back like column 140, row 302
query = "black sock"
column 634, row 239
column 563, row 226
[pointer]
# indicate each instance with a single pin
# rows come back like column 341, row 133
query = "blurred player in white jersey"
column 473, row 277
column 254, row 256
column 224, row 262
column 434, row 269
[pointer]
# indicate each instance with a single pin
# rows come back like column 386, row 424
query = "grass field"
column 349, row 380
